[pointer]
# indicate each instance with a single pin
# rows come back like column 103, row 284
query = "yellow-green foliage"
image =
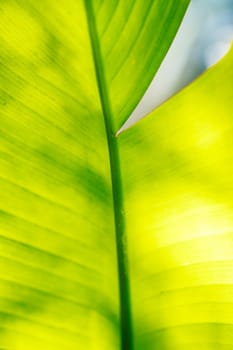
column 110, row 242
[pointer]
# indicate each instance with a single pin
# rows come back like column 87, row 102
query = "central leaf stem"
column 124, row 290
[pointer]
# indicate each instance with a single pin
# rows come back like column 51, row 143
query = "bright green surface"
column 135, row 36
column 58, row 264
column 70, row 73
column 177, row 166
column 57, row 241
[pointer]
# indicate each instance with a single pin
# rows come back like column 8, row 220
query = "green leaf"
column 177, row 166
column 57, row 240
column 134, row 36
column 71, row 220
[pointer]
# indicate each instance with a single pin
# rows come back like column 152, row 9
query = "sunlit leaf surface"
column 57, row 242
column 70, row 74
column 177, row 166
column 134, row 38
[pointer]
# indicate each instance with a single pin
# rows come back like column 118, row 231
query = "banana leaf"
column 110, row 242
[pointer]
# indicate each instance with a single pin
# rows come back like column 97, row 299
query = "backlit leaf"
column 177, row 166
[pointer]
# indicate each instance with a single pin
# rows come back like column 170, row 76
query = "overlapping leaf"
column 178, row 191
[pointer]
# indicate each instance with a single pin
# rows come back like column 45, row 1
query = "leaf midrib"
column 124, row 288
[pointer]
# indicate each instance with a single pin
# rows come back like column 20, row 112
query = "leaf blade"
column 143, row 32
column 56, row 169
column 177, row 170
column 56, row 199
